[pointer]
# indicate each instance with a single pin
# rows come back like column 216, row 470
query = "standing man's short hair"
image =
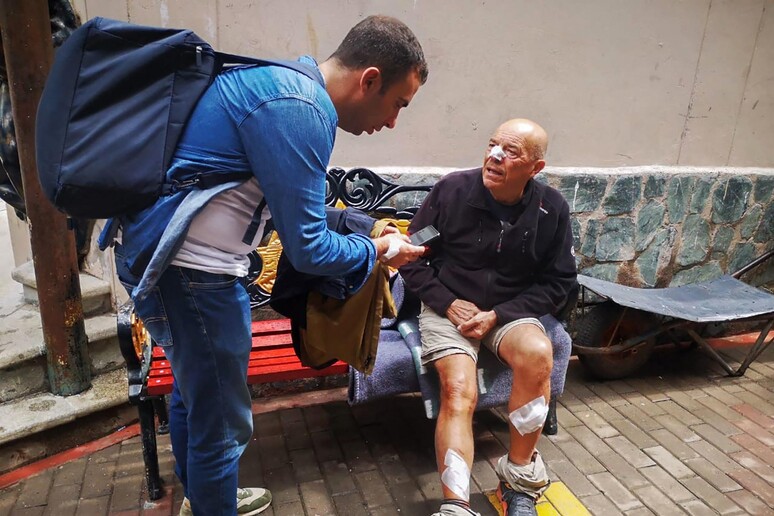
column 386, row 43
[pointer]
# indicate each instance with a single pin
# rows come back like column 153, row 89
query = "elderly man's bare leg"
column 454, row 430
column 527, row 350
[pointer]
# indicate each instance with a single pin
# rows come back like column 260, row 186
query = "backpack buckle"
column 179, row 185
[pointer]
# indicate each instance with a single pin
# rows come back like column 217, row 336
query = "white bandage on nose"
column 497, row 153
column 530, row 417
column 456, row 476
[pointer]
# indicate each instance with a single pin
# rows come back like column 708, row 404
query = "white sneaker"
column 250, row 500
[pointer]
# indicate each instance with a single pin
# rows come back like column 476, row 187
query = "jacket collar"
column 478, row 193
column 532, row 197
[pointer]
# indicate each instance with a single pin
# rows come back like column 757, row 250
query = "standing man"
column 504, row 259
column 182, row 258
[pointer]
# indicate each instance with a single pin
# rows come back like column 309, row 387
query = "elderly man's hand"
column 461, row 311
column 479, row 325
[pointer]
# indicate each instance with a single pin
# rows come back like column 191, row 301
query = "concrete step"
column 95, row 292
column 37, row 412
column 22, row 351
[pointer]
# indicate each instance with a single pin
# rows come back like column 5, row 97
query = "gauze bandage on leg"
column 497, row 153
column 456, row 476
column 530, row 417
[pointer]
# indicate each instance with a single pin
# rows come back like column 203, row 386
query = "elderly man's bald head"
column 514, row 156
column 535, row 137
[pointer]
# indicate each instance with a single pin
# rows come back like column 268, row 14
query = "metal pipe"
column 26, row 35
column 714, row 354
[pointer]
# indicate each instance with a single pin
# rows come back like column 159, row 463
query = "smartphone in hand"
column 425, row 236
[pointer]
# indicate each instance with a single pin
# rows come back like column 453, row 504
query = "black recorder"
column 425, row 236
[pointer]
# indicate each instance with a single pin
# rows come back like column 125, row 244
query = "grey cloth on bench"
column 393, row 373
column 398, row 369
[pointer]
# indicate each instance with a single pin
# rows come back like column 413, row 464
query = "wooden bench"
column 272, row 357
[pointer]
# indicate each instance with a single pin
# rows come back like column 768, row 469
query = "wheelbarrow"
column 616, row 337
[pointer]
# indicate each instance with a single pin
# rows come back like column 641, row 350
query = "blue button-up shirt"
column 278, row 125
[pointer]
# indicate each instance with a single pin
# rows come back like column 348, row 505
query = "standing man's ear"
column 370, row 80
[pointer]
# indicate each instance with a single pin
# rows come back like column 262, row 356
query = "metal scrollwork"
column 366, row 190
column 332, row 186
column 361, row 188
column 263, row 271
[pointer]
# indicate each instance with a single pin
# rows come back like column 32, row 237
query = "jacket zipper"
column 488, row 283
column 524, row 242
column 500, row 238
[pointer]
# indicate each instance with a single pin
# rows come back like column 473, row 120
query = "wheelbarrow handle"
column 738, row 274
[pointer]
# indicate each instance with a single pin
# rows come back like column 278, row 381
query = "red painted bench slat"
column 272, row 359
column 271, row 326
column 294, row 373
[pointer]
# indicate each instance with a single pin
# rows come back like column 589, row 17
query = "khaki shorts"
column 441, row 338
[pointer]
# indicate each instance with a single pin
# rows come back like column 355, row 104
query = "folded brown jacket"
column 347, row 329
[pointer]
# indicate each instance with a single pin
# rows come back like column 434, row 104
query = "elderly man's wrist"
column 392, row 249
column 382, row 244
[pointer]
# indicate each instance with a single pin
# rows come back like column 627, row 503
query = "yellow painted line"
column 556, row 501
column 546, row 509
column 564, row 501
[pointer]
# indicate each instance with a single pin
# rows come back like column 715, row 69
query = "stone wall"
column 658, row 226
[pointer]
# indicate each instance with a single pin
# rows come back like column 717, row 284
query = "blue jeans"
column 203, row 322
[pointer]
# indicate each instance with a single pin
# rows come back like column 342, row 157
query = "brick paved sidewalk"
column 676, row 439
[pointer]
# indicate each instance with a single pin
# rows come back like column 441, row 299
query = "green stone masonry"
column 658, row 226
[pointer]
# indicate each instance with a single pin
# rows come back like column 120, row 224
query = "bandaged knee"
column 530, row 417
column 456, row 475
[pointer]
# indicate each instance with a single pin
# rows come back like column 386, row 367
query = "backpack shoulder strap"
column 299, row 67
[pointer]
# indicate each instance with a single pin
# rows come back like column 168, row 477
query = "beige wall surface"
column 615, row 83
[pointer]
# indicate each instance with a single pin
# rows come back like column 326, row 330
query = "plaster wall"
column 614, row 83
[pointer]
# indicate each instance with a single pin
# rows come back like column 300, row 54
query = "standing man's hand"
column 479, row 325
column 396, row 250
column 461, row 311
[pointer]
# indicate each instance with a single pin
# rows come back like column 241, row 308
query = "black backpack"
column 113, row 109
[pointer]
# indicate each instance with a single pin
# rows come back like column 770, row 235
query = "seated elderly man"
column 504, row 258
